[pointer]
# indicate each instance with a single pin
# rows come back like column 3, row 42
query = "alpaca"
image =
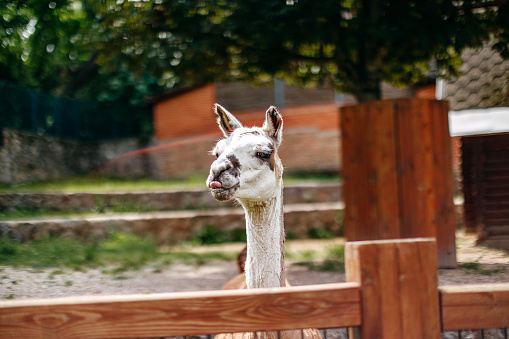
column 249, row 170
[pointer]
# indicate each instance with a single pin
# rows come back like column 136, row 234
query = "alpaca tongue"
column 215, row 184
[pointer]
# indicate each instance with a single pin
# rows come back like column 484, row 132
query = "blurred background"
column 126, row 88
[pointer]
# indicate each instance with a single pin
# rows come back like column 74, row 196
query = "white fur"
column 265, row 243
column 257, row 184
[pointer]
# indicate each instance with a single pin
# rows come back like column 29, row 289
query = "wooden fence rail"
column 181, row 314
column 392, row 293
column 475, row 307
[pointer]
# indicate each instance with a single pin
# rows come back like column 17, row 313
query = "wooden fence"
column 392, row 293
column 397, row 169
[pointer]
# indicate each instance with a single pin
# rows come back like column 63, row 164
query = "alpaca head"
column 247, row 164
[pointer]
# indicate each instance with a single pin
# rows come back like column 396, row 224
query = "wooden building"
column 485, row 172
column 479, row 101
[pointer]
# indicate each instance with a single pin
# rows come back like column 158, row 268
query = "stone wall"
column 26, row 157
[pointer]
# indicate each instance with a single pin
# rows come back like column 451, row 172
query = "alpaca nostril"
column 220, row 168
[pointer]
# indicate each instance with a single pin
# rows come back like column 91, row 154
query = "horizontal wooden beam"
column 180, row 314
column 475, row 307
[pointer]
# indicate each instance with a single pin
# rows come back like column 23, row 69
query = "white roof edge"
column 479, row 121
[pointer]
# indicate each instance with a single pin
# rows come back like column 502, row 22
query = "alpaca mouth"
column 221, row 193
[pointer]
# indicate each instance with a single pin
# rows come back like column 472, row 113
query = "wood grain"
column 475, row 306
column 399, row 281
column 179, row 314
column 383, row 167
column 397, row 169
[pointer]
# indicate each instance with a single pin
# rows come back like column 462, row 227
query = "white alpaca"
column 248, row 169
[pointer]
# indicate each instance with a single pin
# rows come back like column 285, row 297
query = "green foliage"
column 135, row 49
column 354, row 45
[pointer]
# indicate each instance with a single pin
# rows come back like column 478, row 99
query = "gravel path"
column 31, row 283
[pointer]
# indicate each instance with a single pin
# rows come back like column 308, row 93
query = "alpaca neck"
column 265, row 243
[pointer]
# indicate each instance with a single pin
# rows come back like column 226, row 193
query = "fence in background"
column 30, row 111
column 392, row 293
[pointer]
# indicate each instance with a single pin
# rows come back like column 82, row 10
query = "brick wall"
column 185, row 126
column 184, row 115
column 190, row 114
column 303, row 150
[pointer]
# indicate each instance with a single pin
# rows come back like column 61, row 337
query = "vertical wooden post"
column 397, row 168
column 399, row 287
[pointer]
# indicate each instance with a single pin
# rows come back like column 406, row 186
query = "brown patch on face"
column 272, row 161
column 275, row 165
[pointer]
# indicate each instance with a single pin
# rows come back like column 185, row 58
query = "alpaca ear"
column 226, row 121
column 273, row 124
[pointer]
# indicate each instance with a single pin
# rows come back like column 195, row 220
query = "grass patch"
column 25, row 213
column 333, row 262
column 119, row 253
column 475, row 268
column 311, row 177
column 90, row 184
column 102, row 184
column 320, row 233
column 210, row 235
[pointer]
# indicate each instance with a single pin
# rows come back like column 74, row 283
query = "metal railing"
column 37, row 113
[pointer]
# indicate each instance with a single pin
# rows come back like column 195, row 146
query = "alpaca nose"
column 219, row 167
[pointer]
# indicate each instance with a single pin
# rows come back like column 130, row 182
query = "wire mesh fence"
column 326, row 333
column 502, row 333
column 41, row 114
column 343, row 333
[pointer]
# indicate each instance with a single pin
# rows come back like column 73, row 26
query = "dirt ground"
column 492, row 267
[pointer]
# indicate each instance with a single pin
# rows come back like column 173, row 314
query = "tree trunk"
column 367, row 95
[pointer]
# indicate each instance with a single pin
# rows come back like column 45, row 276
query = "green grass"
column 100, row 184
column 334, row 260
column 97, row 184
column 475, row 268
column 305, row 177
column 118, row 253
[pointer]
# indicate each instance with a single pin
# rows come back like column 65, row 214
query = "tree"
column 52, row 47
column 179, row 42
column 356, row 45
column 40, row 44
column 353, row 45
column 82, row 48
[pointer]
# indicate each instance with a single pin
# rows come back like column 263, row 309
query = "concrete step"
column 167, row 200
column 172, row 227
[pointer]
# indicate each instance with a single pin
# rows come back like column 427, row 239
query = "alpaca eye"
column 263, row 155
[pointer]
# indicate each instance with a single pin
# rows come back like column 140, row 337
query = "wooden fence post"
column 399, row 287
column 397, row 168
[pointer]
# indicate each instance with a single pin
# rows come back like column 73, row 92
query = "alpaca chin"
column 223, row 194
